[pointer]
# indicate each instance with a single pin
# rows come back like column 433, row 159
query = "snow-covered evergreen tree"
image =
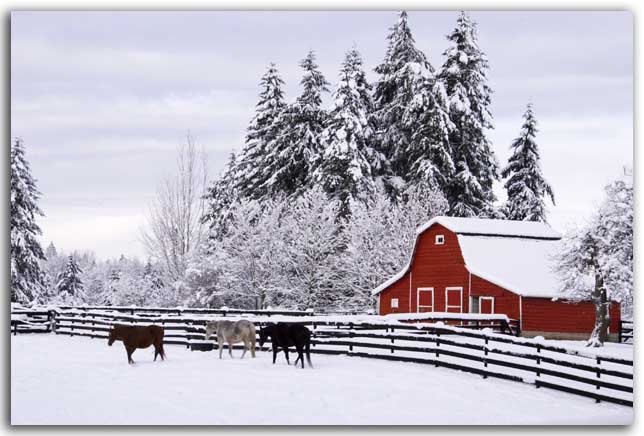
column 222, row 195
column 247, row 174
column 428, row 155
column 411, row 114
column 27, row 275
column 400, row 72
column 70, row 286
column 469, row 96
column 525, row 185
column 596, row 262
column 293, row 153
column 349, row 164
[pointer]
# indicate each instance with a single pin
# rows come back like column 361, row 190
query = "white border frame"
column 418, row 291
column 486, row 298
column 436, row 240
column 454, row 288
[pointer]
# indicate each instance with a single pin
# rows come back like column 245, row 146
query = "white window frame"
column 454, row 288
column 439, row 240
column 418, row 306
column 486, row 298
column 394, row 303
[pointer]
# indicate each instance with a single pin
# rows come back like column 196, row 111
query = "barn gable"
column 514, row 255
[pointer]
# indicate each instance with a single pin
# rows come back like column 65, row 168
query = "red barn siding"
column 433, row 266
column 438, row 267
column 399, row 290
column 545, row 315
column 504, row 301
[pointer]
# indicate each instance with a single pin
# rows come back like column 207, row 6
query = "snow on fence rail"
column 393, row 337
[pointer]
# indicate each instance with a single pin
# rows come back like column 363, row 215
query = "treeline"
column 320, row 205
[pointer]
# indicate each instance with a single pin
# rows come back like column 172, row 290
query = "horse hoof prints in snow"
column 134, row 337
column 233, row 332
column 284, row 335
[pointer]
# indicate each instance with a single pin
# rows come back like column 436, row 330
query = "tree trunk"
column 602, row 318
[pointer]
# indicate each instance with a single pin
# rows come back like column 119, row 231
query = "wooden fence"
column 602, row 378
column 625, row 331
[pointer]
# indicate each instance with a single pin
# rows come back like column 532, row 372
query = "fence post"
column 619, row 335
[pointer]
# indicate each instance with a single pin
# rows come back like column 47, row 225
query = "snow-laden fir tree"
column 349, row 165
column 428, row 155
column 525, row 184
column 293, row 153
column 411, row 113
column 469, row 96
column 596, row 262
column 262, row 132
column 221, row 196
column 27, row 275
column 70, row 286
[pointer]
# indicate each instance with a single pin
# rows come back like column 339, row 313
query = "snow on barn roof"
column 489, row 227
column 521, row 265
column 512, row 254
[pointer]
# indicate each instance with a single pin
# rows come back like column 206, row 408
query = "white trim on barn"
column 481, row 298
column 418, row 291
column 453, row 288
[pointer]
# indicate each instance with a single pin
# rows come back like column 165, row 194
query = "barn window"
column 440, row 239
column 394, row 303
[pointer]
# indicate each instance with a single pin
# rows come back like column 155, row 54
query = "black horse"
column 284, row 335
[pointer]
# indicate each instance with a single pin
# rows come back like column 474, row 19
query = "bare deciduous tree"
column 174, row 229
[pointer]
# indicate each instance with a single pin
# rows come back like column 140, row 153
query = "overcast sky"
column 102, row 99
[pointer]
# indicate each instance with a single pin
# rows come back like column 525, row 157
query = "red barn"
column 472, row 265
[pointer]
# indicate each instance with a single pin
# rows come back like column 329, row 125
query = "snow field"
column 63, row 380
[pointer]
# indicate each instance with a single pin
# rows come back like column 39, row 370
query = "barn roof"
column 489, row 227
column 515, row 255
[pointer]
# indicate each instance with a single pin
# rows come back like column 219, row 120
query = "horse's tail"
column 253, row 339
column 308, row 350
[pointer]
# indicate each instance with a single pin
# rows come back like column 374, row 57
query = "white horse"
column 233, row 332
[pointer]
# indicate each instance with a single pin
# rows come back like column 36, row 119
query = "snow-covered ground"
column 63, row 380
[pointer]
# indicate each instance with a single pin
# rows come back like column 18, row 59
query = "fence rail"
column 441, row 344
column 625, row 331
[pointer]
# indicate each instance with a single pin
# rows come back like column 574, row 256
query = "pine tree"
column 428, row 154
column 293, row 154
column 469, row 97
column 348, row 166
column 70, row 286
column 27, row 276
column 222, row 195
column 399, row 72
column 525, row 184
column 262, row 132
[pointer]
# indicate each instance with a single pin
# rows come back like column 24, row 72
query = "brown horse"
column 134, row 337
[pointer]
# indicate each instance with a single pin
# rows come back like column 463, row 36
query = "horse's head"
column 112, row 337
column 211, row 329
column 263, row 335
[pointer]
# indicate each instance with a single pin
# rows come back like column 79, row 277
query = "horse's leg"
column 245, row 341
column 300, row 355
column 156, row 353
column 129, row 351
column 220, row 343
column 286, row 354
column 252, row 345
column 275, row 350
column 230, row 349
